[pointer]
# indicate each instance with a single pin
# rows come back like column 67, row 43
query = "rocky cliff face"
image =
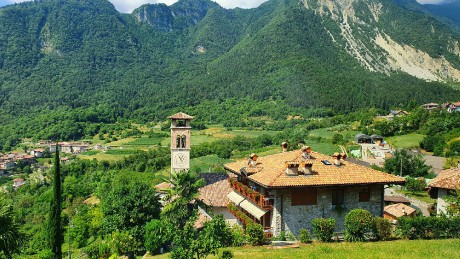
column 363, row 35
column 177, row 16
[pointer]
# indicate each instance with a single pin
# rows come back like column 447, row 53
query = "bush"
column 226, row 254
column 158, row 235
column 323, row 228
column 357, row 223
column 238, row 236
column 255, row 234
column 382, row 228
column 429, row 227
column 305, row 236
column 415, row 184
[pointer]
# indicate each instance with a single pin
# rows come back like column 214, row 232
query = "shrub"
column 323, row 228
column 429, row 227
column 226, row 254
column 305, row 236
column 238, row 236
column 382, row 228
column 357, row 223
column 415, row 184
column 158, row 235
column 255, row 234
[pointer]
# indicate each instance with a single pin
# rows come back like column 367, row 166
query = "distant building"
column 453, row 107
column 18, row 182
column 395, row 211
column 430, row 106
column 395, row 199
column 444, row 185
column 363, row 139
column 38, row 153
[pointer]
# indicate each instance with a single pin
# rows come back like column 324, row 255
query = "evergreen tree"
column 55, row 236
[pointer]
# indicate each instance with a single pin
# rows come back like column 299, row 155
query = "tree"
column 158, row 235
column 412, row 165
column 415, row 184
column 55, row 236
column 184, row 189
column 337, row 138
column 10, row 236
column 358, row 222
column 128, row 205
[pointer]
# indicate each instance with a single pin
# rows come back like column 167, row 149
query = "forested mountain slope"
column 57, row 55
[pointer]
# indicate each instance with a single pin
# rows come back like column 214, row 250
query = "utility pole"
column 400, row 170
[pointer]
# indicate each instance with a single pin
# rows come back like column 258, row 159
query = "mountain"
column 57, row 56
column 449, row 10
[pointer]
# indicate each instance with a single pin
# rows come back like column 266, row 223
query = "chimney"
column 307, row 167
column 284, row 145
column 337, row 159
column 306, row 153
column 252, row 160
column 292, row 168
column 344, row 156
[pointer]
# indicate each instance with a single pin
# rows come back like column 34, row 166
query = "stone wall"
column 293, row 218
column 441, row 205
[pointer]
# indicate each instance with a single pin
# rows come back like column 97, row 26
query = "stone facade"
column 288, row 218
column 442, row 204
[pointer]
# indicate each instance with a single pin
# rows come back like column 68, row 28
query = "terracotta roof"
column 396, row 199
column 398, row 210
column 447, row 179
column 216, row 189
column 18, row 180
column 273, row 172
column 181, row 116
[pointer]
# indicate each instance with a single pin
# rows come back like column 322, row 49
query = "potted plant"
column 257, row 196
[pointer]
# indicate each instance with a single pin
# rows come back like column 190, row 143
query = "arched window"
column 178, row 138
column 184, row 141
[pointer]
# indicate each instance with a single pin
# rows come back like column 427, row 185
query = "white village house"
column 444, row 185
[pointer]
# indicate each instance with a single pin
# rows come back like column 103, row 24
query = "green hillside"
column 70, row 64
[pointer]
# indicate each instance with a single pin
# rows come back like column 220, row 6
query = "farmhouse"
column 285, row 191
column 443, row 186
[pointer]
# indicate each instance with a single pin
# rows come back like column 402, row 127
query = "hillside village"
column 193, row 129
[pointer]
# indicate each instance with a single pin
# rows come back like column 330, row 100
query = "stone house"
column 285, row 191
column 444, row 185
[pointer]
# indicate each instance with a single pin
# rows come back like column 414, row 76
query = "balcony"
column 246, row 219
column 260, row 200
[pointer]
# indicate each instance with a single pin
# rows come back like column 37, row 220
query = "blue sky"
column 126, row 6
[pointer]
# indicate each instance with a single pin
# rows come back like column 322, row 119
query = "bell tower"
column 180, row 141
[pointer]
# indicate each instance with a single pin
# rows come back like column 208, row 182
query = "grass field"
column 423, row 196
column 449, row 248
column 327, row 133
column 324, row 147
column 406, row 141
column 145, row 142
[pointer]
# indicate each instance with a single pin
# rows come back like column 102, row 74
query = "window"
column 304, row 197
column 337, row 196
column 178, row 142
column 364, row 194
column 180, row 123
column 183, row 141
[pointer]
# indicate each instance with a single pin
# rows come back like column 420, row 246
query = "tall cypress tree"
column 54, row 225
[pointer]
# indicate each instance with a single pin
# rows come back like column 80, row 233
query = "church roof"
column 181, row 116
column 271, row 172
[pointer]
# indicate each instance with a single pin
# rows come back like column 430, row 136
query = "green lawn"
column 327, row 133
column 405, row 141
column 324, row 147
column 449, row 248
column 145, row 142
column 423, row 196
column 208, row 163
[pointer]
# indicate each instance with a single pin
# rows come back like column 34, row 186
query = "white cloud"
column 128, row 6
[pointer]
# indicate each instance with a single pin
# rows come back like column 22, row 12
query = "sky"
column 126, row 6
